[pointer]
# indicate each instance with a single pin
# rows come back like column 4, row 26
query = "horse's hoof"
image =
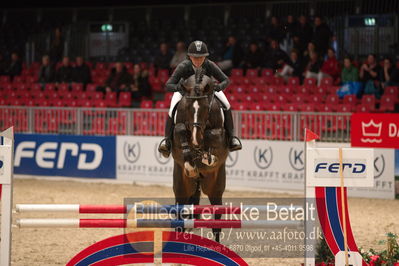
column 191, row 171
column 209, row 162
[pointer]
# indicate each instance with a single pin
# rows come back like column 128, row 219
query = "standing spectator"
column 140, row 86
column 289, row 32
column 254, row 57
column 276, row 57
column 322, row 36
column 3, row 65
column 293, row 68
column 163, row 58
column 390, row 74
column 119, row 79
column 179, row 55
column 46, row 71
column 330, row 66
column 15, row 67
column 349, row 72
column 276, row 31
column 81, row 72
column 313, row 67
column 303, row 34
column 65, row 71
column 57, row 46
column 232, row 55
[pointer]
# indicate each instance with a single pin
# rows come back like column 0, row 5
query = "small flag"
column 310, row 135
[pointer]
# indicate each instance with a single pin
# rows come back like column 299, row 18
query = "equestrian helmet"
column 197, row 49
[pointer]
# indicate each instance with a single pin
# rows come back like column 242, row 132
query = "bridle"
column 197, row 124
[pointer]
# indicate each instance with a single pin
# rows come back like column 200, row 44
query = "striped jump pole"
column 153, row 223
column 139, row 208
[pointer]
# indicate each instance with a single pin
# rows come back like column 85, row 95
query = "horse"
column 199, row 147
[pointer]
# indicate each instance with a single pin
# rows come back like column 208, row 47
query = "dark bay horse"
column 199, row 147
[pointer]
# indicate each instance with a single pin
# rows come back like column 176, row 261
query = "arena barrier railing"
column 271, row 125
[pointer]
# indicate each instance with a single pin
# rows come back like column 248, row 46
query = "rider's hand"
column 217, row 87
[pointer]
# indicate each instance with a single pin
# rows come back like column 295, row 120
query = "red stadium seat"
column 252, row 73
column 161, row 105
column 387, row 103
column 146, row 104
column 350, row 99
column 125, row 99
column 344, row 108
column 361, row 108
column 267, row 72
column 328, row 81
column 332, row 99
column 110, row 98
column 293, row 81
column 391, row 91
column 237, row 72
column 310, row 82
column 369, row 100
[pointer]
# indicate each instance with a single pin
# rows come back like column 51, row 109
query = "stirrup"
column 165, row 147
column 235, row 144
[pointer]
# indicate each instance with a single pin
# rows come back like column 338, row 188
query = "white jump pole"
column 6, row 173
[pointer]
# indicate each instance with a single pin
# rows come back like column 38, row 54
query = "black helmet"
column 197, row 49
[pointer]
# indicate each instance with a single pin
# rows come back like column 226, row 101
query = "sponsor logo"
column 160, row 159
column 372, row 131
column 131, row 151
column 329, row 168
column 379, row 166
column 231, row 159
column 296, row 159
column 356, row 168
column 198, row 45
column 53, row 155
column 1, row 165
column 263, row 157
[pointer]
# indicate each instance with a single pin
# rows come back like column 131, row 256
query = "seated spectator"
column 349, row 73
column 140, row 86
column 293, row 68
column 313, row 67
column 311, row 48
column 254, row 57
column 46, row 71
column 163, row 58
column 390, row 74
column 64, row 72
column 3, row 65
column 322, row 36
column 15, row 67
column 232, row 55
column 331, row 66
column 370, row 75
column 276, row 57
column 81, row 72
column 179, row 55
column 119, row 79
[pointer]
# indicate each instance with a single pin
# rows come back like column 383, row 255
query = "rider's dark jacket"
column 186, row 70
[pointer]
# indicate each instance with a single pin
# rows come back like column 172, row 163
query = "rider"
column 197, row 53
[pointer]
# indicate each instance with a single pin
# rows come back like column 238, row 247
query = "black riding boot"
column 166, row 144
column 234, row 142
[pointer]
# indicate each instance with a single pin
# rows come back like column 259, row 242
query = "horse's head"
column 198, row 100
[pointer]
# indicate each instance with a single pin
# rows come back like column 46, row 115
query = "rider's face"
column 197, row 61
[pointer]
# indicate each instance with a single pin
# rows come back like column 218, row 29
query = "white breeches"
column 177, row 97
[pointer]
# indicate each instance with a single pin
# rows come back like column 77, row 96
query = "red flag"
column 310, row 135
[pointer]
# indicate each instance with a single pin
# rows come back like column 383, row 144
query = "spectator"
column 15, row 67
column 370, row 70
column 303, row 34
column 81, row 72
column 179, row 55
column 290, row 27
column 162, row 60
column 307, row 54
column 57, row 46
column 46, row 71
column 331, row 66
column 293, row 68
column 254, row 57
column 390, row 74
column 65, row 71
column 276, row 57
column 3, row 65
column 140, row 86
column 276, row 31
column 322, row 36
column 349, row 73
column 119, row 79
column 313, row 67
column 232, row 55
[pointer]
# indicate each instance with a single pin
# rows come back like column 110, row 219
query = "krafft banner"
column 375, row 130
column 63, row 155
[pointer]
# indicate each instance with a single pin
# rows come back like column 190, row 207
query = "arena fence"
column 273, row 125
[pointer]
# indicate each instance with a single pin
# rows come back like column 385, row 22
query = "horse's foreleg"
column 189, row 166
column 216, row 200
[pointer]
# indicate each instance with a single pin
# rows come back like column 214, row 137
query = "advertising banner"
column 63, row 155
column 375, row 130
